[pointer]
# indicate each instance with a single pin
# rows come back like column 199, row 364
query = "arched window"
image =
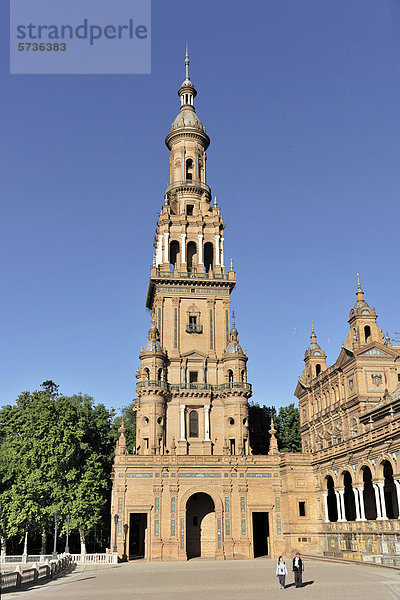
column 191, row 256
column 208, row 256
column 230, row 376
column 189, row 169
column 146, row 373
column 193, row 424
column 367, row 333
column 353, row 428
column 159, row 375
column 174, row 253
column 317, row 369
column 243, row 376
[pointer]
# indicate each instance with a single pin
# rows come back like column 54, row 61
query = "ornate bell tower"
column 192, row 385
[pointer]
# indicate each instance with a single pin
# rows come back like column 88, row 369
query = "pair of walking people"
column 297, row 568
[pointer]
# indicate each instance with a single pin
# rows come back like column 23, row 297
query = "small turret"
column 314, row 358
column 362, row 321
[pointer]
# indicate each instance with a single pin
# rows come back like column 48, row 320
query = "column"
column 183, row 432
column 378, row 503
column 397, row 484
column 362, row 507
column 357, row 503
column 200, row 248
column 159, row 250
column 166, row 253
column 338, row 508
column 183, row 248
column 216, row 237
column 206, row 422
column 342, row 509
column 222, row 251
column 325, row 495
column 383, row 503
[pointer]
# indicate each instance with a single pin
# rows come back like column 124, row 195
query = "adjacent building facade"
column 350, row 425
column 193, row 487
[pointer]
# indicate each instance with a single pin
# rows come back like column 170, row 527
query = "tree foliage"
column 56, row 452
column 287, row 423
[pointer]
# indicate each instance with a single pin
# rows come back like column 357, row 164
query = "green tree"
column 287, row 423
column 259, row 426
column 130, row 424
column 56, row 452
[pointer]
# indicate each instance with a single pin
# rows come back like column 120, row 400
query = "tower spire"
column 187, row 61
column 360, row 293
column 313, row 336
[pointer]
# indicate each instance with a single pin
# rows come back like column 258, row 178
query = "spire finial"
column 233, row 320
column 187, row 62
column 231, row 268
column 360, row 293
column 215, row 201
column 313, row 336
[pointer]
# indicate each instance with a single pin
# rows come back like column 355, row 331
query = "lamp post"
column 67, row 540
column 125, row 539
column 116, row 517
column 56, row 517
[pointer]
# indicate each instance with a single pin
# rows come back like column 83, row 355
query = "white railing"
column 101, row 558
column 23, row 576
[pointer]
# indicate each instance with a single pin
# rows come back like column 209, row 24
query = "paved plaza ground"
column 230, row 580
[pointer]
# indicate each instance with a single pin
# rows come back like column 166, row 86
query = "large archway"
column 389, row 492
column 200, row 526
column 331, row 499
column 349, row 500
column 369, row 495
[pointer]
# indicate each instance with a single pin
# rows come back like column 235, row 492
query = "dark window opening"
column 193, row 375
column 367, row 333
column 230, row 376
column 191, row 256
column 193, row 320
column 189, row 210
column 317, row 369
column 146, row 443
column 193, row 424
column 232, row 447
column 208, row 256
column 174, row 250
column 189, row 169
column 302, row 509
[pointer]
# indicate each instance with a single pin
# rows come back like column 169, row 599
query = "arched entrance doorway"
column 349, row 501
column 200, row 526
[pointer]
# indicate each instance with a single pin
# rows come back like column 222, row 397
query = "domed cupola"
column 234, row 347
column 153, row 344
column 187, row 121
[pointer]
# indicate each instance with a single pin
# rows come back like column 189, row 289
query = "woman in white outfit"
column 281, row 572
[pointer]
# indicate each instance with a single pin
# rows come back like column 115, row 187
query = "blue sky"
column 301, row 101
